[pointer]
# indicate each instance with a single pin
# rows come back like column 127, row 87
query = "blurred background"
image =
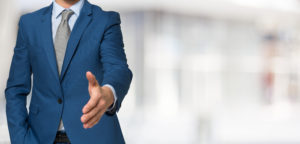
column 205, row 71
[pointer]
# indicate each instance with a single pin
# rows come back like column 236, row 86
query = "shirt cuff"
column 115, row 96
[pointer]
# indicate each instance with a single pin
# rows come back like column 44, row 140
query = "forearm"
column 120, row 80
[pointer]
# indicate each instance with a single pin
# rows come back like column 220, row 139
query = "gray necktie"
column 62, row 37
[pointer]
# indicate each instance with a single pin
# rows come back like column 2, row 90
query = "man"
column 74, row 52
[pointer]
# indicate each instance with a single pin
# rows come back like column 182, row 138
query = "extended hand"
column 100, row 99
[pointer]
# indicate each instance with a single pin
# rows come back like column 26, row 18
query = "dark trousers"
column 61, row 138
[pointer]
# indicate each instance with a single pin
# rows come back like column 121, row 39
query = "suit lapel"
column 46, row 32
column 78, row 29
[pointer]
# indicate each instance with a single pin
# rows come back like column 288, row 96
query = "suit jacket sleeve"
column 17, row 89
column 113, row 58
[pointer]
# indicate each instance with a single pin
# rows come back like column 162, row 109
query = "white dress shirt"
column 56, row 18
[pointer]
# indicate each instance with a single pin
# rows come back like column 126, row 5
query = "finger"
column 87, row 116
column 94, row 120
column 91, row 78
column 90, row 105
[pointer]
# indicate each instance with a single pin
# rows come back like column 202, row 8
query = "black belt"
column 61, row 137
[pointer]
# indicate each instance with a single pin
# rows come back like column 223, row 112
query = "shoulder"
column 99, row 12
column 32, row 17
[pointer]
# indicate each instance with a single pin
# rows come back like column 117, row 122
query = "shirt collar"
column 57, row 9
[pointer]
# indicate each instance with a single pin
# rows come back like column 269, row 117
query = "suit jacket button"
column 59, row 100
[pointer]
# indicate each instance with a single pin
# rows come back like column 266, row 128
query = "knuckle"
column 87, row 109
column 86, row 118
column 102, row 103
column 99, row 95
column 99, row 107
column 93, row 103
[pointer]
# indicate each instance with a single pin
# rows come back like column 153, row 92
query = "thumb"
column 91, row 78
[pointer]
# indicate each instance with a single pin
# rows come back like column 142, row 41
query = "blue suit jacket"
column 95, row 45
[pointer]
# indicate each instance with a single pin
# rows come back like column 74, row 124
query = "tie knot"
column 66, row 14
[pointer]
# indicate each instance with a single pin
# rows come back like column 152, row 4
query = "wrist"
column 108, row 94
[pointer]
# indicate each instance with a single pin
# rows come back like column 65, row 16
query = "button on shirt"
column 56, row 19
